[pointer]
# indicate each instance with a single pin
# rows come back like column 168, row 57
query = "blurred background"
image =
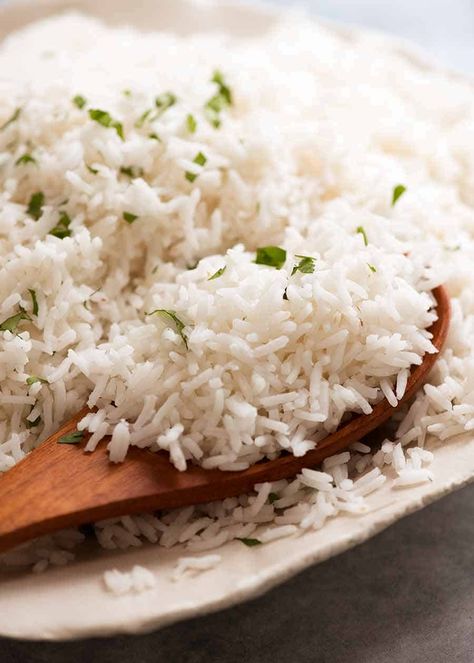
column 444, row 27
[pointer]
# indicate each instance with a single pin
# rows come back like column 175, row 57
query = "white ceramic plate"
column 71, row 602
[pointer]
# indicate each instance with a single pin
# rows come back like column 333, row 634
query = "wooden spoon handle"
column 59, row 485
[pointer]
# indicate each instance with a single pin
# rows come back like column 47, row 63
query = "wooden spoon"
column 59, row 485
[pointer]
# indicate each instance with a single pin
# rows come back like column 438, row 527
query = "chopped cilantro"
column 35, row 378
column 164, row 101
column 61, row 229
column 103, row 118
column 154, row 136
column 305, row 265
column 200, row 159
column 13, row 118
column 79, row 101
column 24, row 159
column 142, row 119
column 218, row 102
column 94, row 171
column 11, row 323
column 129, row 217
column 170, row 316
column 191, row 123
column 398, row 191
column 273, row 497
column 272, row 256
column 249, row 542
column 35, row 206
column 34, row 301
column 218, row 273
column 71, row 438
column 362, row 232
column 371, row 267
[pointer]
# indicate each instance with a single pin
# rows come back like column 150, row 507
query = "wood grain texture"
column 58, row 485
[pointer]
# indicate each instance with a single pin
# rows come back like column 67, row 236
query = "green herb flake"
column 71, row 438
column 272, row 256
column 105, row 119
column 129, row 217
column 94, row 171
column 165, row 101
column 170, row 316
column 200, row 159
column 218, row 273
column 33, row 379
column 34, row 301
column 12, row 119
column 142, row 119
column 273, row 497
column 132, row 171
column 127, row 93
column 11, row 323
column 61, row 229
column 35, row 206
column 362, row 232
column 79, row 101
column 305, row 266
column 25, row 159
column 249, row 542
column 398, row 191
column 371, row 267
column 191, row 123
column 154, row 136
column 218, row 102
column 33, row 424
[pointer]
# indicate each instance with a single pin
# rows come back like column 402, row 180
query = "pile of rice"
column 140, row 178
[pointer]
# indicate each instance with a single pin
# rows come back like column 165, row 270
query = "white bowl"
column 71, row 602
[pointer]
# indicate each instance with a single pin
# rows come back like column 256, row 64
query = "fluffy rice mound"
column 140, row 178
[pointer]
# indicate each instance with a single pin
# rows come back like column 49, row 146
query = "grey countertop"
column 406, row 596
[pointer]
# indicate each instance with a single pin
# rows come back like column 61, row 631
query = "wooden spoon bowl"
column 59, row 485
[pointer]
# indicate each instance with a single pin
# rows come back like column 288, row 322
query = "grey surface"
column 406, row 596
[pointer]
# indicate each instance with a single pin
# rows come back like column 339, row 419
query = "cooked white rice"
column 138, row 215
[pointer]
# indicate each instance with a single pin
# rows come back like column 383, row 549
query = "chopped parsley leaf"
column 142, row 119
column 272, row 256
column 191, row 123
column 13, row 118
column 165, row 101
column 154, row 136
column 61, row 229
column 129, row 217
column 218, row 273
column 33, row 379
column 362, row 232
column 170, row 316
column 72, row 438
column 200, row 159
column 105, row 119
column 24, row 159
column 79, row 101
column 94, row 171
column 371, row 267
column 34, row 301
column 35, row 206
column 273, row 497
column 398, row 191
column 249, row 542
column 305, row 265
column 132, row 171
column 217, row 103
column 11, row 323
